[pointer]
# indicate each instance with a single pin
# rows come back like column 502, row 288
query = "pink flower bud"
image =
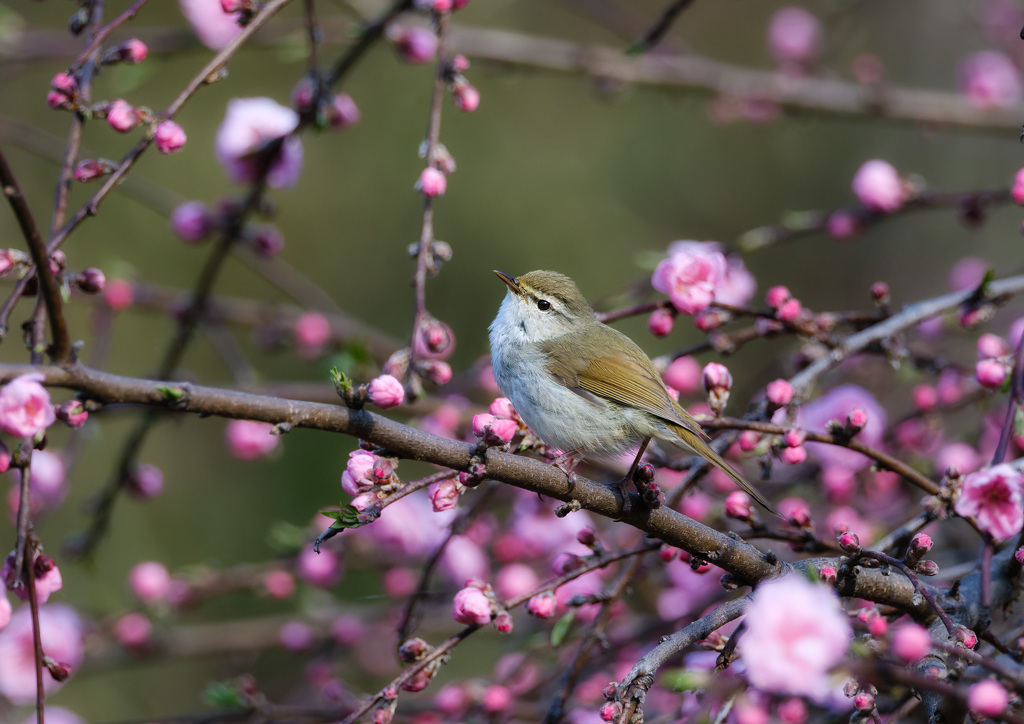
column 385, row 392
column 150, row 581
column 91, row 280
column 1017, row 191
column 472, row 607
column 794, row 437
column 610, row 711
column 322, row 569
column 1019, row 555
column 857, row 419
column 72, row 413
column 793, row 455
column 864, row 701
column 169, row 137
column 716, row 377
column 460, row 63
column 92, row 169
column 133, row 631
column 992, row 345
column 966, row 637
column 119, row 295
column 842, row 225
column 779, row 392
column 880, row 292
column 708, row 320
column 249, row 439
column 312, row 331
column 496, row 699
column 987, row 698
column 926, row 397
column 57, row 100
column 145, row 482
column 415, row 45
column 849, row 542
column 504, row 430
column 660, row 322
column 503, row 622
column 911, row 642
column 296, row 636
column 749, row 440
column 990, row 79
column 683, row 374
column 501, row 407
column 878, row 626
column 481, row 422
column 343, row 112
column 437, row 371
column 122, row 116
column 191, row 221
column 926, row 568
column 432, row 182
column 279, row 584
column 878, row 186
column 794, row 36
column 828, row 575
column 542, row 605
column 797, row 512
column 64, row 83
column 133, row 51
column 467, row 98
column 789, row 311
column 739, row 506
column 920, row 545
column 444, row 495
column 565, row 562
column 777, row 296
column 992, row 373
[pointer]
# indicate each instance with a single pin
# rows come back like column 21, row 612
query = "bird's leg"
column 624, row 483
column 567, row 462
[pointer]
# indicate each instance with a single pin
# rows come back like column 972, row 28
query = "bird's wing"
column 627, row 378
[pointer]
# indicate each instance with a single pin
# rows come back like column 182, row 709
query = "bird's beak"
column 511, row 282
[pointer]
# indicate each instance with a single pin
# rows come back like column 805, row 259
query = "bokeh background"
column 555, row 170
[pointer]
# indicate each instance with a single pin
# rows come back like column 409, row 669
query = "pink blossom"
column 46, row 577
column 122, row 116
column 150, row 581
column 416, row 45
column 716, row 376
column 211, row 24
column 690, row 275
column 837, row 404
column 25, row 407
column 496, row 699
column 169, row 137
column 842, row 224
column 501, row 407
column 133, row 630
column 444, row 495
column 466, row 97
column 789, row 311
column 991, row 373
column 739, row 505
column 191, row 221
column 660, row 322
column 926, row 397
column 464, row 559
column 343, row 112
column 61, row 632
column 796, row 633
column 5, row 610
column 251, row 123
column 989, row 79
column 145, row 482
column 322, row 569
column 385, row 392
column 878, row 186
column 911, row 642
column 515, row 580
column 250, row 440
column 432, row 182
column 119, row 295
column 312, row 331
column 794, row 36
column 960, row 455
column 542, row 605
column 279, row 584
column 471, row 606
column 296, row 636
column 91, row 169
column 966, row 273
column 987, row 698
column 993, row 498
column 738, row 286
column 992, row 345
column 779, row 392
column 47, row 480
column 683, row 374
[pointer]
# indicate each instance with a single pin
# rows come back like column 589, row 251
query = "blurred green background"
column 554, row 171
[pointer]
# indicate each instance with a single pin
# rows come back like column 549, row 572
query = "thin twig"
column 658, row 30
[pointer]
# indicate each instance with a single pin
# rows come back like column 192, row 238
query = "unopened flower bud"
column 864, row 701
column 169, row 137
column 431, row 182
column 920, row 544
column 610, row 711
column 849, row 542
column 542, row 605
column 717, row 382
column 966, row 637
column 91, row 169
column 992, row 373
column 927, row 568
column 653, row 496
column 385, row 392
column 343, row 112
column 789, row 311
column 880, row 292
column 415, row 45
column 748, row 440
column 739, row 506
column 586, row 536
column 437, row 371
column 132, row 51
column 856, row 420
column 466, row 97
column 503, row 622
column 122, row 116
column 72, row 413
column 413, row 650
column 91, row 280
column 660, row 322
column 777, row 296
column 828, row 575
column 779, row 392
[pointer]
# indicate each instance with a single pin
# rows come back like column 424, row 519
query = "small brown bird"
column 582, row 386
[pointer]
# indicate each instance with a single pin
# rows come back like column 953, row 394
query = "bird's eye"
column 543, row 305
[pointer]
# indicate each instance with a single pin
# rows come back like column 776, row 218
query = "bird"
column 583, row 387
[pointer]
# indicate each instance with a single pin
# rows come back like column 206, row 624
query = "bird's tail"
column 699, row 446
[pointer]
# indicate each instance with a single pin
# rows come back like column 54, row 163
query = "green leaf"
column 172, row 394
column 684, row 679
column 347, row 517
column 560, row 630
column 341, row 381
column 224, row 696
